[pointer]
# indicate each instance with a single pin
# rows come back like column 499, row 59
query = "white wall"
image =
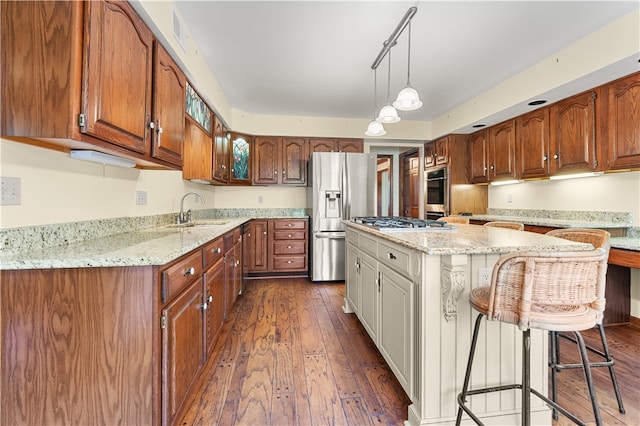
column 618, row 192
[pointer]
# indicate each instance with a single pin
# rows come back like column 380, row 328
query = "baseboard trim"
column 634, row 322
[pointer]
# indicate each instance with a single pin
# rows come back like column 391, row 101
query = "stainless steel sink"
column 199, row 223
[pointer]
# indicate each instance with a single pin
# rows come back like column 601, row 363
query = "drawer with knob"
column 212, row 252
column 288, row 224
column 289, row 247
column 289, row 263
column 180, row 273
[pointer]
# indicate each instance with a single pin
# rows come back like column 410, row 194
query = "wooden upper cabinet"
column 478, row 146
column 572, row 134
column 198, row 152
column 279, row 161
column 294, row 161
column 350, row 145
column 81, row 75
column 436, row 153
column 532, row 146
column 622, row 130
column 322, row 145
column 240, row 159
column 335, row 145
column 502, row 151
column 220, row 158
column 168, row 108
column 117, row 78
column 266, row 153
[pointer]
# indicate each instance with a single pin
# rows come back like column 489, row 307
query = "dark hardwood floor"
column 287, row 355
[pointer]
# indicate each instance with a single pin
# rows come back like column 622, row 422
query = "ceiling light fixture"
column 101, row 157
column 388, row 113
column 408, row 98
column 375, row 128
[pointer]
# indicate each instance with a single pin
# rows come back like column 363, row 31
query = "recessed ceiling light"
column 477, row 126
column 538, row 102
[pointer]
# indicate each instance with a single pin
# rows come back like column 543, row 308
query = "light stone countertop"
column 152, row 246
column 552, row 222
column 625, row 243
column 474, row 239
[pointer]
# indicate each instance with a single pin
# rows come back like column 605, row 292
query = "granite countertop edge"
column 473, row 239
column 624, row 243
column 146, row 247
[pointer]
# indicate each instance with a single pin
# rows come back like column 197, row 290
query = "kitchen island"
column 410, row 291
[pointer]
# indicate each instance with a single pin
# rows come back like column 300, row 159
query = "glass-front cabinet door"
column 240, row 159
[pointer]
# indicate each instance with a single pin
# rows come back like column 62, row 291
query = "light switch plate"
column 10, row 191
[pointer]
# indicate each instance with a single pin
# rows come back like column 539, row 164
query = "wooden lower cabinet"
column 277, row 246
column 80, row 346
column 183, row 348
column 120, row 345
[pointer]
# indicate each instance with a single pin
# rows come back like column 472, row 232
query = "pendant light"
column 408, row 98
column 388, row 113
column 375, row 128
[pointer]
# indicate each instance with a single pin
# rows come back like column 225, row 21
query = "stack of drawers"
column 288, row 245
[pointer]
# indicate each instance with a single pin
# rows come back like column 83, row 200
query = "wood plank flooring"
column 288, row 355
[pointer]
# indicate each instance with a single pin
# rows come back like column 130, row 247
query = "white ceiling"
column 313, row 58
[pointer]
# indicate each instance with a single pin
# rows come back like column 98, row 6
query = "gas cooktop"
column 397, row 223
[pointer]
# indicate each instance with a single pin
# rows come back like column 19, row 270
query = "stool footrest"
column 490, row 389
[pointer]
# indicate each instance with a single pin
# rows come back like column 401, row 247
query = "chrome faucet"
column 185, row 217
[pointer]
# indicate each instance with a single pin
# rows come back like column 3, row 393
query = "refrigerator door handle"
column 330, row 235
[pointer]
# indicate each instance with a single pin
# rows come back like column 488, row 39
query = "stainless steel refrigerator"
column 341, row 186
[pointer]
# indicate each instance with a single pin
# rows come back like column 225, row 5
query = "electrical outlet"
column 484, row 277
column 509, row 198
column 260, row 199
column 10, row 191
column 141, row 198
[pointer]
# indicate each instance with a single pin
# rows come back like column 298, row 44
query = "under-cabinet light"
column 102, row 158
column 576, row 175
column 506, row 182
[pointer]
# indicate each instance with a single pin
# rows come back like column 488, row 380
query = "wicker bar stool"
column 599, row 239
column 509, row 225
column 454, row 219
column 555, row 291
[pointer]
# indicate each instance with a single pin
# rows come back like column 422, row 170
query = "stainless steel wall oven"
column 436, row 193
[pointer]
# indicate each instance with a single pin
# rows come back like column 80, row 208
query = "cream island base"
column 410, row 292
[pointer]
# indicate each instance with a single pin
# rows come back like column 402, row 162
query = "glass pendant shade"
column 388, row 114
column 408, row 99
column 375, row 129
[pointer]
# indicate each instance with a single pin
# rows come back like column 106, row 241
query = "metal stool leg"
column 612, row 372
column 555, row 360
column 467, row 375
column 587, row 373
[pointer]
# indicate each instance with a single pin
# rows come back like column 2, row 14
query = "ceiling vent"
column 179, row 31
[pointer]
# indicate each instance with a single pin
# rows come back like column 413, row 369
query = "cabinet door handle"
column 217, row 250
column 189, row 271
column 391, row 256
column 205, row 306
column 493, row 167
column 544, row 158
column 264, row 233
column 275, row 172
column 210, row 299
column 289, row 236
column 288, row 261
column 283, row 172
column 556, row 156
column 152, row 125
column 289, row 247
